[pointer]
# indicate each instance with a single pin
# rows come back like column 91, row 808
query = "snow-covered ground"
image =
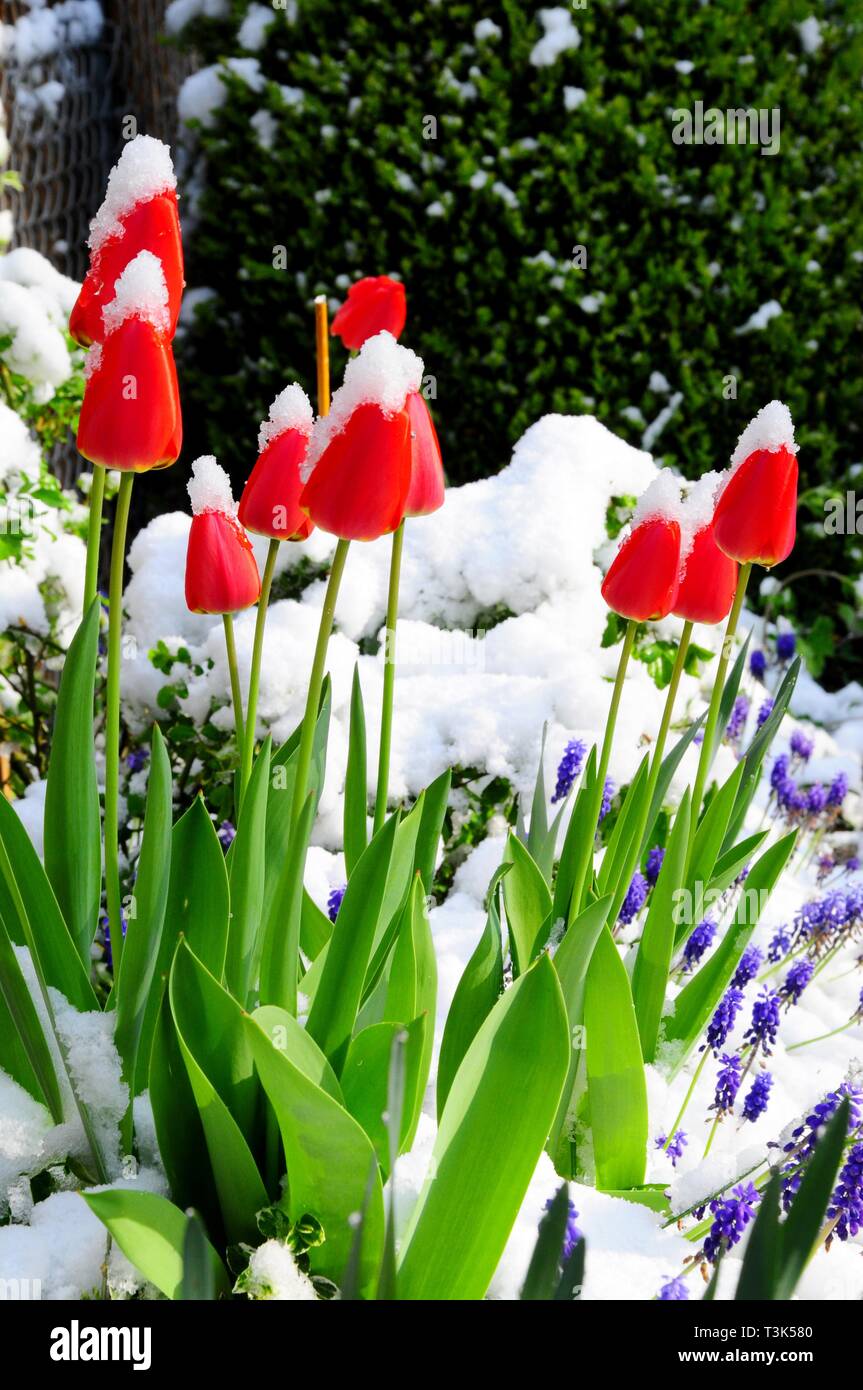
column 530, row 541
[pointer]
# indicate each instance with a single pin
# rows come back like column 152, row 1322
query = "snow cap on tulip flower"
column 357, row 472
column 644, row 575
column 139, row 213
column 708, row 578
column 269, row 505
column 374, row 305
column 130, row 415
column 756, row 514
column 221, row 570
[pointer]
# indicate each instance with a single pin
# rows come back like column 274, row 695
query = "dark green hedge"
column 683, row 242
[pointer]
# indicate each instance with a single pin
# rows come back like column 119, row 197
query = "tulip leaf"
column 218, row 1060
column 652, row 962
column 729, row 695
column 670, row 764
column 477, row 992
column 33, row 918
column 576, row 854
column 365, row 1081
column 571, row 961
column 356, row 781
column 757, row 750
column 146, row 919
column 247, row 873
column 617, row 1095
column 802, row 1227
column 411, row 989
column 339, row 991
column 24, row 1051
column 290, row 1037
column 73, row 844
column 198, row 1284
column 315, row 928
column 623, row 851
column 492, row 1132
column 696, row 1002
column 280, row 954
column 543, row 1272
column 151, row 1232
column 328, row 1156
column 528, row 905
column 435, row 802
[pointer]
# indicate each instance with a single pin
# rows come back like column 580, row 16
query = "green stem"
column 94, row 535
column 665, row 725
column 255, row 674
column 112, row 719
column 316, row 680
column 687, row 1098
column 236, row 692
column 821, row 1036
column 583, row 869
column 710, row 729
column 389, row 678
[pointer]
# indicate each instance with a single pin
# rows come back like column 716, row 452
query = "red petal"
column 221, row 570
column 709, row 580
column 269, row 505
column 756, row 515
column 373, row 305
column 151, row 226
column 359, row 485
column 130, row 416
column 642, row 582
column 426, row 492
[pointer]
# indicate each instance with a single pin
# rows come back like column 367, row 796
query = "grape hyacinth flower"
column 802, row 745
column 569, row 768
column 786, row 645
column 816, row 799
column 106, row 933
column 755, row 1103
column 846, row 1204
column 747, row 967
column 728, row 1080
column 137, row 759
column 572, row 1235
column 334, row 901
column 780, row 945
column 852, row 864
column 757, row 663
column 675, row 1148
column 723, row 1019
column 226, row 833
column 765, row 1021
column 654, row 864
column 737, row 721
column 607, row 795
column 805, row 1136
column 826, row 865
column 674, row 1291
column 634, row 901
column 700, row 940
column 764, row 712
column 837, row 791
column 779, row 771
column 796, row 980
column 731, row 1217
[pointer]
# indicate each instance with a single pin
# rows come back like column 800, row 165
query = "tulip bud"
column 756, row 515
column 221, row 570
column 708, row 578
column 130, row 415
column 374, row 305
column 357, row 473
column 269, row 505
column 139, row 213
column 644, row 575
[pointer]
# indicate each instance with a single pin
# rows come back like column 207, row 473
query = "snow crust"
column 139, row 292
column 143, row 171
column 291, row 410
column 771, row 429
column 209, row 488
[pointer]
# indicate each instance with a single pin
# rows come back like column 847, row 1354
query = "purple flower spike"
column 723, row 1019
column 757, row 663
column 654, row 864
column 796, row 980
column 676, row 1147
column 569, row 768
column 674, row 1291
column 728, row 1080
column 756, row 1101
column 747, row 967
column 635, row 897
column 699, row 941
column 334, row 901
column 786, row 645
column 765, row 1021
column 731, row 1217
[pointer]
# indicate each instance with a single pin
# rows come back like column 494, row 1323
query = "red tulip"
column 269, row 505
column 643, row 578
column 426, row 492
column 756, row 516
column 707, row 583
column 130, row 416
column 221, row 570
column 154, row 226
column 373, row 305
column 359, row 486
